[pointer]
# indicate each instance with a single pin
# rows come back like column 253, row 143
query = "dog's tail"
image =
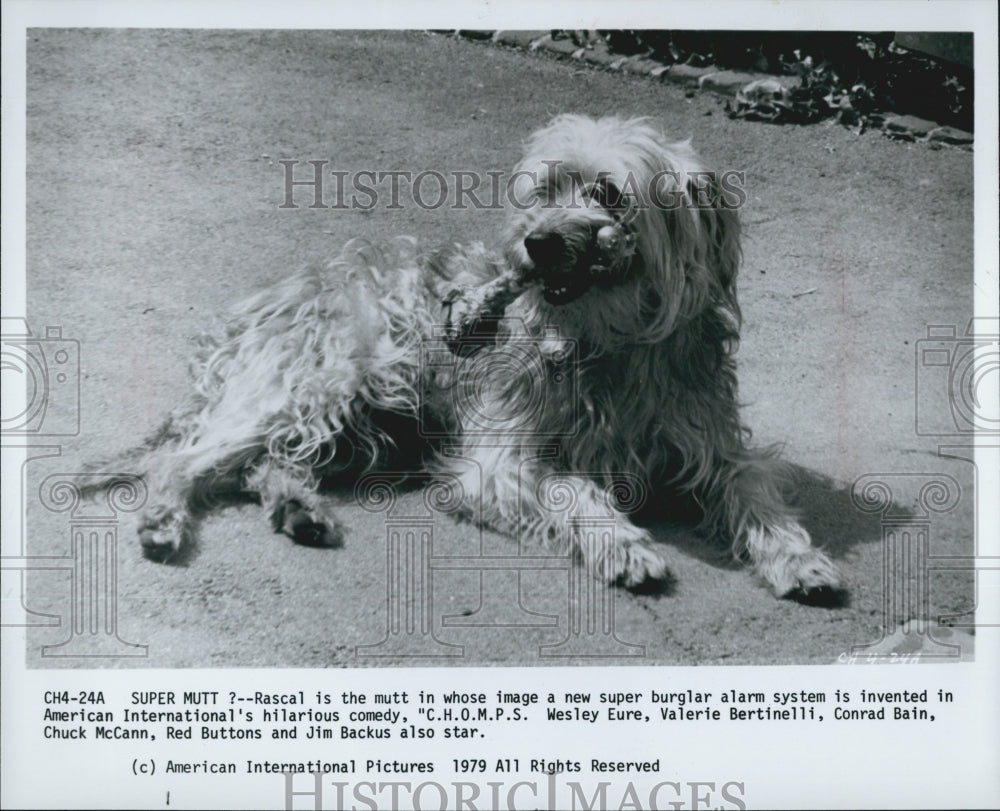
column 135, row 463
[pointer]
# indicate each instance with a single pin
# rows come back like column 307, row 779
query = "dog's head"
column 627, row 233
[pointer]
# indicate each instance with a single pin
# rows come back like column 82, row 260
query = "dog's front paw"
column 630, row 560
column 163, row 535
column 783, row 556
column 808, row 577
column 641, row 568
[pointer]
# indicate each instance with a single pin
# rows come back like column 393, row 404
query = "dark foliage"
column 852, row 76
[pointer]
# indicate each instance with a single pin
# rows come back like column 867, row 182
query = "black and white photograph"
column 392, row 356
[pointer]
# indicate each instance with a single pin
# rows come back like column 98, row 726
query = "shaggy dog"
column 594, row 353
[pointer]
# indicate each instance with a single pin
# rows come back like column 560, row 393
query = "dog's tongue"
column 473, row 313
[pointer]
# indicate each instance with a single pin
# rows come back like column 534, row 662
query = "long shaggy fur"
column 594, row 382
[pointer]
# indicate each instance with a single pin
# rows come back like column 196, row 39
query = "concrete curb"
column 710, row 78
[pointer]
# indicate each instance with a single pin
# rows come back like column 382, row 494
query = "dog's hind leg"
column 186, row 488
column 193, row 461
column 288, row 496
column 169, row 525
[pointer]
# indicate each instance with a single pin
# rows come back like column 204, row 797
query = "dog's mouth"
column 562, row 262
column 572, row 260
column 567, row 272
column 562, row 288
column 562, row 295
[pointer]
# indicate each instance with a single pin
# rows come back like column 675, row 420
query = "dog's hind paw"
column 162, row 538
column 315, row 533
column 307, row 527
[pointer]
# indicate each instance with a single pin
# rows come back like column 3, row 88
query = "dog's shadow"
column 825, row 510
column 831, row 516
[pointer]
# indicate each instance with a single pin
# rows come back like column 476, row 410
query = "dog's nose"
column 545, row 248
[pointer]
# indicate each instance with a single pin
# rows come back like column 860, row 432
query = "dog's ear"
column 715, row 204
column 703, row 234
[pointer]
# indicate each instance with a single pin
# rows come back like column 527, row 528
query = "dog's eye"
column 546, row 192
column 606, row 194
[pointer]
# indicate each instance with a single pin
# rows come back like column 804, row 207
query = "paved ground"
column 153, row 194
